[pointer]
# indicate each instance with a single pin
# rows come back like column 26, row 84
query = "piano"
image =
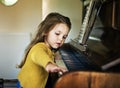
column 97, row 47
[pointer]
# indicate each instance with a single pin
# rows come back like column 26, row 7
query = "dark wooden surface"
column 81, row 79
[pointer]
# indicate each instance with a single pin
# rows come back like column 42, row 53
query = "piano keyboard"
column 61, row 63
column 74, row 60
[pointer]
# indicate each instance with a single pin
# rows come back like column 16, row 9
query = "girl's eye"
column 64, row 37
column 57, row 33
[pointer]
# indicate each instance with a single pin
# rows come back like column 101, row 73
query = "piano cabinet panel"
column 110, row 14
column 117, row 14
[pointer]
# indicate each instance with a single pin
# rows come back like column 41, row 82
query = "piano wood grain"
column 82, row 79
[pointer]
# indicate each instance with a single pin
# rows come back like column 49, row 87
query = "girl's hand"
column 52, row 68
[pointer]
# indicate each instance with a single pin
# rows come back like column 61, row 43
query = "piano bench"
column 82, row 79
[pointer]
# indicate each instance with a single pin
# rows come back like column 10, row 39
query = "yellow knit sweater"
column 33, row 73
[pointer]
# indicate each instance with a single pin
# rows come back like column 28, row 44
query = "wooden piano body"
column 81, row 79
column 97, row 47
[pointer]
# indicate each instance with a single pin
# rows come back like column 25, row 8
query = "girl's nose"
column 60, row 38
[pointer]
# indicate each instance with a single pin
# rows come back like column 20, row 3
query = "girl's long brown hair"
column 44, row 27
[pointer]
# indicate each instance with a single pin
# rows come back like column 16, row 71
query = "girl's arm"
column 52, row 68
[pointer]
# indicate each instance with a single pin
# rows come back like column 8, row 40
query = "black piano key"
column 75, row 60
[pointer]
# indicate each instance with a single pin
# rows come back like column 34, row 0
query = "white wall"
column 12, row 47
column 24, row 16
column 16, row 24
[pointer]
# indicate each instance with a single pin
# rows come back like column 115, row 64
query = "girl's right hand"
column 53, row 68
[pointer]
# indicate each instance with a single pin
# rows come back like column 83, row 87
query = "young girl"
column 39, row 57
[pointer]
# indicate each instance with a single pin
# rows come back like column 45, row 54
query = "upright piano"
column 97, row 47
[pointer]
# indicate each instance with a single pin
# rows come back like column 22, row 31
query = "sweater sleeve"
column 41, row 55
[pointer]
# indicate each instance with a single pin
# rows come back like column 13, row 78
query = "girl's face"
column 56, row 37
